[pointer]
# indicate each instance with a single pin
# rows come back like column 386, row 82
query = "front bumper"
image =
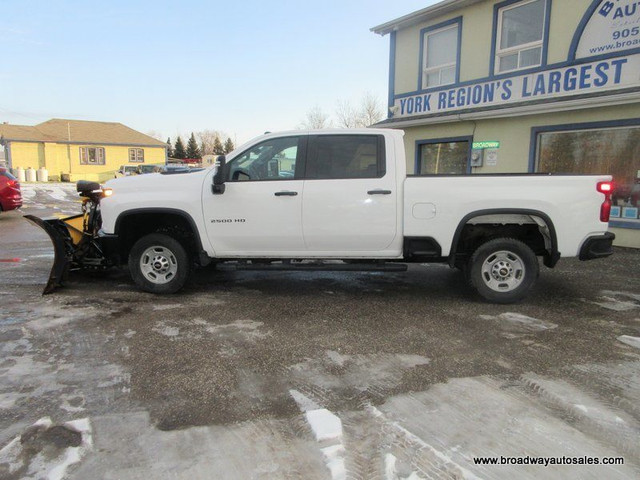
column 12, row 202
column 598, row 246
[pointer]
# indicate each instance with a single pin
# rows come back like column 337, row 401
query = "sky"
column 240, row 67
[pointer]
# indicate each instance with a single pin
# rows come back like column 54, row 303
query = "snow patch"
column 9, row 455
column 58, row 194
column 327, row 428
column 629, row 340
column 581, row 407
column 336, row 358
column 166, row 330
column 390, row 469
column 464, row 473
column 334, row 459
column 617, row 301
column 51, row 465
column 325, row 425
column 519, row 322
column 167, row 307
column 304, row 403
column 247, row 328
column 360, row 372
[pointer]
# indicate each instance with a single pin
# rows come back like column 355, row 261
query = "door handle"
column 285, row 194
column 379, row 192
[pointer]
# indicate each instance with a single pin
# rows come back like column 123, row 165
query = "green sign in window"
column 477, row 145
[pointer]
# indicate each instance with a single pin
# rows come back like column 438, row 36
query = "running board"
column 326, row 267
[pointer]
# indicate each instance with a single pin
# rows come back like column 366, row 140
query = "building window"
column 443, row 157
column 136, row 155
column 92, row 156
column 521, row 31
column 440, row 54
column 613, row 151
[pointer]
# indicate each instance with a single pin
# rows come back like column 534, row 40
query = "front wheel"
column 159, row 264
column 503, row 270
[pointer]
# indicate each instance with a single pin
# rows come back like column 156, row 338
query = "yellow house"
column 74, row 150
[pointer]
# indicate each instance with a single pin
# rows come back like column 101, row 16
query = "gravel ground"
column 311, row 375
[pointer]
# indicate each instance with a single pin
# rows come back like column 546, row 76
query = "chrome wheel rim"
column 503, row 271
column 158, row 265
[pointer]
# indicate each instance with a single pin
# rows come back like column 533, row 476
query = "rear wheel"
column 503, row 270
column 159, row 264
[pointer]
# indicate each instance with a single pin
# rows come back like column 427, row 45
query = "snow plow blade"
column 63, row 246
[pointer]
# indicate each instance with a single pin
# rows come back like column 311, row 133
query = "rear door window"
column 345, row 156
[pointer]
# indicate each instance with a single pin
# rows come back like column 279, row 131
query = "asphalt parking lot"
column 312, row 375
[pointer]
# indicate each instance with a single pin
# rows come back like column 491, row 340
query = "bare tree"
column 207, row 139
column 370, row 110
column 155, row 134
column 315, row 119
column 346, row 115
column 366, row 115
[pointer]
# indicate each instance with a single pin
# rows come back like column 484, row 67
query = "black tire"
column 503, row 270
column 166, row 266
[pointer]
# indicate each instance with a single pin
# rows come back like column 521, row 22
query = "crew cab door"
column 260, row 211
column 350, row 197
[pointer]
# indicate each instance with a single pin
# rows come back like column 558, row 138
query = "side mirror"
column 218, row 186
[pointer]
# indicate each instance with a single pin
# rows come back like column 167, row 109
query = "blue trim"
column 621, row 224
column 392, row 72
column 628, row 122
column 545, row 39
column 580, row 30
column 419, row 143
column 494, row 36
column 454, row 21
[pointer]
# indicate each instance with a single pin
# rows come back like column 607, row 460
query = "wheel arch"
column 551, row 257
column 165, row 217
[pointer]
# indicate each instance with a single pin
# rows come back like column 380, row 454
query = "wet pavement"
column 311, row 375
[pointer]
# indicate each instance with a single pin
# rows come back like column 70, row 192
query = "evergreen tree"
column 178, row 150
column 218, row 149
column 169, row 148
column 193, row 151
column 228, row 145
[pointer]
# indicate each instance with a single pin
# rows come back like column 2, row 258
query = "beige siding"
column 513, row 133
column 477, row 29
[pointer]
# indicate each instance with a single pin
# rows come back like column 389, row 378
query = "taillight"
column 605, row 208
column 605, row 187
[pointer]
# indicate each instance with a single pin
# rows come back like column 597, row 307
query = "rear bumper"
column 598, row 246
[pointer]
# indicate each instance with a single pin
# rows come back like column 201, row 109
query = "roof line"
column 433, row 11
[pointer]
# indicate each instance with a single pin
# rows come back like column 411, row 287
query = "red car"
column 10, row 196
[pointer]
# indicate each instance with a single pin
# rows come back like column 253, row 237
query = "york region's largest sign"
column 559, row 82
column 609, row 30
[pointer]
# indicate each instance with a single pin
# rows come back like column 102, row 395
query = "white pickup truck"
column 342, row 200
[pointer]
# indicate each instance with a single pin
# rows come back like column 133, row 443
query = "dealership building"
column 486, row 86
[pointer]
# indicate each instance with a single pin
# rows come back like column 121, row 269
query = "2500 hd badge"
column 228, row 220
